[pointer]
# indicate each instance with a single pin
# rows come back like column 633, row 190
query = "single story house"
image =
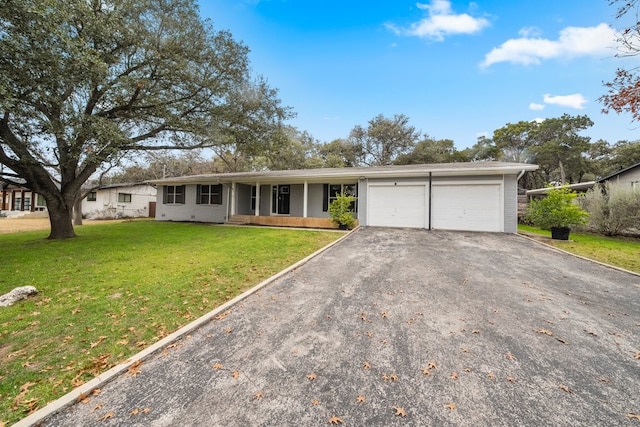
column 476, row 196
column 120, row 201
column 626, row 176
column 19, row 200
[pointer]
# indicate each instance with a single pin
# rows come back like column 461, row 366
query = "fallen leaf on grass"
column 384, row 314
column 366, row 365
column 259, row 395
column 392, row 377
column 632, row 415
column 450, row 406
column 425, row 371
column 97, row 343
column 400, row 411
column 217, row 366
column 235, row 375
column 24, row 389
column 335, row 420
column 544, row 332
column 637, row 355
column 360, row 399
column 312, row 377
column 84, row 398
column 315, row 402
column 98, row 406
column 432, row 365
column 454, row 375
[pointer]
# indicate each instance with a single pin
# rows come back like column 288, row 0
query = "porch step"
column 236, row 220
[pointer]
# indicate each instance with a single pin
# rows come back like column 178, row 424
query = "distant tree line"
column 555, row 144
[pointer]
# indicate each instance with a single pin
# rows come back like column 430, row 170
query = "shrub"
column 557, row 209
column 341, row 211
column 613, row 208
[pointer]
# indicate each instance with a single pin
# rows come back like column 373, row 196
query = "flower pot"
column 560, row 233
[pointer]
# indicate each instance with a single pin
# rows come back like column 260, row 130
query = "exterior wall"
column 629, row 177
column 14, row 199
column 107, row 205
column 297, row 200
column 510, row 198
column 314, row 205
column 190, row 211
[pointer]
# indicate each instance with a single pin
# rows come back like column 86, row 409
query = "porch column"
column 3, row 206
column 304, row 199
column 22, row 200
column 233, row 198
column 257, row 213
column 34, row 196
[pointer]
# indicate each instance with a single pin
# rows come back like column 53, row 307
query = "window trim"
column 209, row 194
column 122, row 197
column 92, row 196
column 173, row 197
column 327, row 197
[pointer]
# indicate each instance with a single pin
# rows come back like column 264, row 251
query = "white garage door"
column 399, row 205
column 469, row 206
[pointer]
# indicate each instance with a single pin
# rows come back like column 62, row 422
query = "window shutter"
column 165, row 189
column 198, row 193
column 325, row 197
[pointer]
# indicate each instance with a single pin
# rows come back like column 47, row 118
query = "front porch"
column 282, row 221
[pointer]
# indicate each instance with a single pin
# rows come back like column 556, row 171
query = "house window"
column 331, row 191
column 209, row 194
column 92, row 196
column 173, row 195
column 41, row 201
column 635, row 185
column 253, row 197
column 124, row 197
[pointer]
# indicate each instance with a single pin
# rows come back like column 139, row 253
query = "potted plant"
column 557, row 212
column 341, row 211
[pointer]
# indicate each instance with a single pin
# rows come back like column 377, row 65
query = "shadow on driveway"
column 402, row 327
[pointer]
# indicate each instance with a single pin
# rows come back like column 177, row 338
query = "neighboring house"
column 120, row 201
column 19, row 200
column 626, row 176
column 477, row 196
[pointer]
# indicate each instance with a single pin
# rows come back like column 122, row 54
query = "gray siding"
column 314, row 205
column 190, row 211
column 510, row 188
column 628, row 177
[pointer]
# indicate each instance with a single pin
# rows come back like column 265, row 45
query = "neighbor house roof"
column 317, row 175
column 580, row 186
column 621, row 171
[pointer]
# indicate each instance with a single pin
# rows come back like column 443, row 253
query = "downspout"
column 430, row 186
column 520, row 175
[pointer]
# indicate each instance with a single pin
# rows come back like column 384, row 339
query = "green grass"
column 116, row 289
column 622, row 252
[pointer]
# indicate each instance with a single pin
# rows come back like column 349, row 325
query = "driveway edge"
column 85, row 389
column 604, row 264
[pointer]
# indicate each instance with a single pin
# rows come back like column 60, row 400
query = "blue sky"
column 457, row 69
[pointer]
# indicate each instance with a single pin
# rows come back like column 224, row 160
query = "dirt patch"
column 18, row 225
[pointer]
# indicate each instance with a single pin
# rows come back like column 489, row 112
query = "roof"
column 401, row 171
column 580, row 186
column 621, row 171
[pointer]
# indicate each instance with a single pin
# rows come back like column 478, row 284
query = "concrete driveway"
column 401, row 327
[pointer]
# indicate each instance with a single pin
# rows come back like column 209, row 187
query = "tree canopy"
column 83, row 82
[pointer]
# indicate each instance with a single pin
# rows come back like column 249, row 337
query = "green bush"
column 613, row 208
column 341, row 211
column 557, row 209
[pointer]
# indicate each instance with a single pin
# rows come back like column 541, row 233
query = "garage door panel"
column 397, row 205
column 475, row 207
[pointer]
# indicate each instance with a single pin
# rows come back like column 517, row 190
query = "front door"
column 280, row 199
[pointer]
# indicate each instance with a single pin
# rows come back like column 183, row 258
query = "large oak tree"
column 85, row 81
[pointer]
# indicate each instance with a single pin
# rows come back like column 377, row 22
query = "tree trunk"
column 77, row 211
column 60, row 218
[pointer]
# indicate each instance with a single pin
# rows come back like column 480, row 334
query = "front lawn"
column 622, row 252
column 116, row 289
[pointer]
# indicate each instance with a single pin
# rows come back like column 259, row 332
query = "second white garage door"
column 397, row 205
column 470, row 207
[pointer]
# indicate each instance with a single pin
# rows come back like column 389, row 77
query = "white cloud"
column 527, row 32
column 536, row 107
column 573, row 101
column 572, row 42
column 441, row 22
